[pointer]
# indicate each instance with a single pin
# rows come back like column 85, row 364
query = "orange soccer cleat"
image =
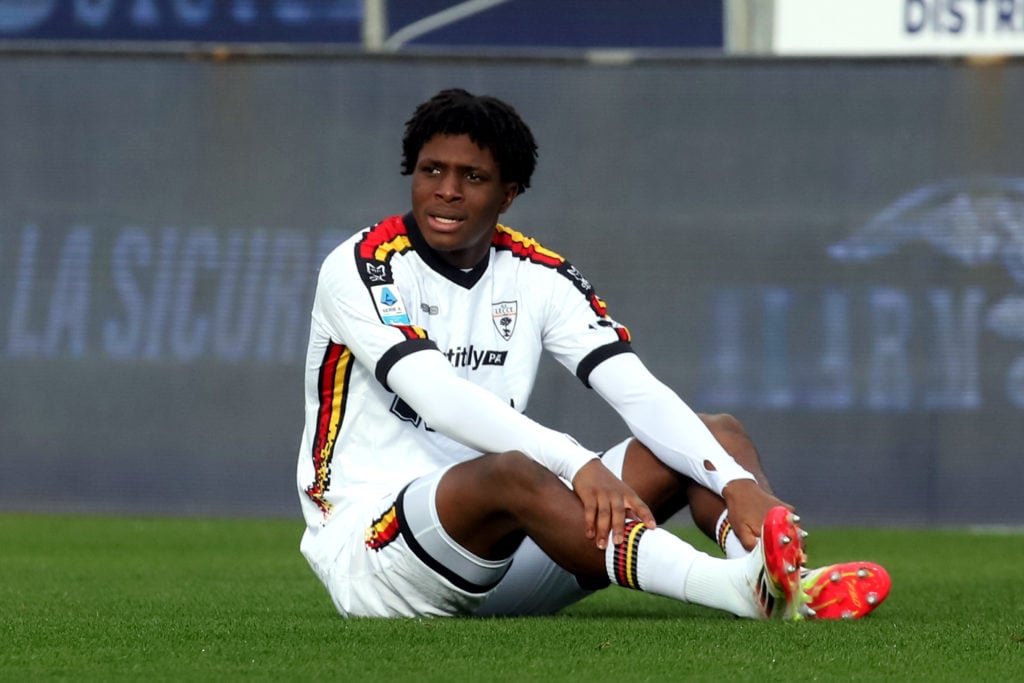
column 779, row 590
column 849, row 590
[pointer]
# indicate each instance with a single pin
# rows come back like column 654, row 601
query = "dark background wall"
column 830, row 250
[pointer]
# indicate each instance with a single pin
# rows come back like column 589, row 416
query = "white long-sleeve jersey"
column 414, row 364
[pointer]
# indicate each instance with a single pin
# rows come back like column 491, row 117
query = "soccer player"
column 425, row 490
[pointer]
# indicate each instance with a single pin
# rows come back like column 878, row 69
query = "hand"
column 607, row 501
column 748, row 504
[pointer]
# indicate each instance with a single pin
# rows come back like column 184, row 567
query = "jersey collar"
column 458, row 276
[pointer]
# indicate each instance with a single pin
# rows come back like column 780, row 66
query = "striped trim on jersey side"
column 332, row 387
column 528, row 249
column 382, row 531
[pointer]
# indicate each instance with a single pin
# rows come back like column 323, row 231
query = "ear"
column 511, row 192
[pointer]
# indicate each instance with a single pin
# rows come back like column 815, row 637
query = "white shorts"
column 392, row 558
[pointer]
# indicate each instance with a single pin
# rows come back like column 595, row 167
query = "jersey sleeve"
column 370, row 320
column 578, row 331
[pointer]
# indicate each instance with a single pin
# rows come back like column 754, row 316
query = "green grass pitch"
column 115, row 599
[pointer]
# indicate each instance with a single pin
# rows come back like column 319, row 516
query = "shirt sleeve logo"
column 389, row 306
column 503, row 315
column 376, row 273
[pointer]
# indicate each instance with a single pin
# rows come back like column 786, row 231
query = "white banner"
column 898, row 27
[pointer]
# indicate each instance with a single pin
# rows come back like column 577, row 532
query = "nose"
column 449, row 187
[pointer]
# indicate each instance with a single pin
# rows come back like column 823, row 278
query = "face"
column 457, row 196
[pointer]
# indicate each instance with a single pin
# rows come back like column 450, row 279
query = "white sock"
column 656, row 561
column 727, row 539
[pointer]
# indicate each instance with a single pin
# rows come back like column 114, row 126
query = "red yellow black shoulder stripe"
column 524, row 247
column 378, row 245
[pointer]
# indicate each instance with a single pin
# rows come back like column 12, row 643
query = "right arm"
column 477, row 418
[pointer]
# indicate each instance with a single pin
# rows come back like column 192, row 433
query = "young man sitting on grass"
column 427, row 493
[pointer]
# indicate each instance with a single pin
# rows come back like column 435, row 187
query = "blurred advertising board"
column 897, row 27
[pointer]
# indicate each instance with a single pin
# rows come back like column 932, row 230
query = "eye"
column 429, row 169
column 474, row 177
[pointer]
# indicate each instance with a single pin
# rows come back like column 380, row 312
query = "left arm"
column 663, row 422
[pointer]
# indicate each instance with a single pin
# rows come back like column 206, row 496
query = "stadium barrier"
column 830, row 250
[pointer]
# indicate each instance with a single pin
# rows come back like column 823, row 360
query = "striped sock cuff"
column 621, row 560
column 724, row 528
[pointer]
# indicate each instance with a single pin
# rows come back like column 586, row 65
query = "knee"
column 723, row 425
column 733, row 437
column 516, row 470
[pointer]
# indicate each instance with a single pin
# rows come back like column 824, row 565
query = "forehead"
column 457, row 149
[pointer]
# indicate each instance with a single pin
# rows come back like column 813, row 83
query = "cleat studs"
column 862, row 573
column 847, row 614
column 872, row 598
column 795, row 519
column 803, row 534
column 835, row 576
column 790, row 568
column 785, row 540
column 811, row 612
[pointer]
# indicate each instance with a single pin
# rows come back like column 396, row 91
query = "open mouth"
column 444, row 223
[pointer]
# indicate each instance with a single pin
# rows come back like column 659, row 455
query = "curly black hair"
column 490, row 123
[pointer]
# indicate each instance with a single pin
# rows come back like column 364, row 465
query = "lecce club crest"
column 503, row 314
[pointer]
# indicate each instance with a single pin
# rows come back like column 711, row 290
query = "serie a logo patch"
column 389, row 305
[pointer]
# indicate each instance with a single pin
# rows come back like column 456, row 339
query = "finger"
column 589, row 512
column 618, row 519
column 747, row 536
column 603, row 516
column 638, row 510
